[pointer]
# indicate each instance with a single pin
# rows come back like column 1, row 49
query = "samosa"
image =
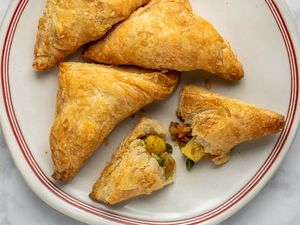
column 68, row 24
column 92, row 100
column 167, row 34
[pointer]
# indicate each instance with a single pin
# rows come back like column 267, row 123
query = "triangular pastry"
column 167, row 34
column 92, row 100
column 68, row 24
column 214, row 124
column 142, row 164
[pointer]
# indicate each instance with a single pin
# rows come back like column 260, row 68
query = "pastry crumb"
column 106, row 141
column 207, row 84
column 141, row 112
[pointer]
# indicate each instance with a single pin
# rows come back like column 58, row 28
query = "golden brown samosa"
column 214, row 124
column 68, row 24
column 142, row 164
column 167, row 34
column 92, row 100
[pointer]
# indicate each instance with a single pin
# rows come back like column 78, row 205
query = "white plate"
column 265, row 40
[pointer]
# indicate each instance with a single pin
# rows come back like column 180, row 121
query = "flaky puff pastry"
column 133, row 171
column 220, row 123
column 167, row 34
column 68, row 24
column 92, row 100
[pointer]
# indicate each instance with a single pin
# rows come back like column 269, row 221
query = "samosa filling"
column 162, row 152
column 182, row 134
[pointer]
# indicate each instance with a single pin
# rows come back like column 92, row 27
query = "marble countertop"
column 277, row 204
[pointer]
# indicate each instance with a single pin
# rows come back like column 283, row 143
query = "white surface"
column 274, row 206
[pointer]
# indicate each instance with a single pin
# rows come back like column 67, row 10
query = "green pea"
column 160, row 161
column 169, row 148
column 189, row 164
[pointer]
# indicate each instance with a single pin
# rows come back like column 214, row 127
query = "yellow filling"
column 158, row 146
column 193, row 151
column 155, row 144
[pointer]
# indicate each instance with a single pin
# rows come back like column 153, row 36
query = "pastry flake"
column 91, row 101
column 167, row 34
column 214, row 124
column 68, row 24
column 140, row 166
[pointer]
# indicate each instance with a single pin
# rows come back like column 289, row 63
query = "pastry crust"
column 167, row 34
column 68, row 24
column 92, row 100
column 220, row 123
column 133, row 171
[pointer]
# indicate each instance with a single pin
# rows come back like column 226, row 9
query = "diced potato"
column 193, row 151
column 155, row 144
column 169, row 164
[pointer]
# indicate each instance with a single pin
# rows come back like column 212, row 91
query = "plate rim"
column 77, row 212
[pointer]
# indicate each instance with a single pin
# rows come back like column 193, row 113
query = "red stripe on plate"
column 127, row 220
